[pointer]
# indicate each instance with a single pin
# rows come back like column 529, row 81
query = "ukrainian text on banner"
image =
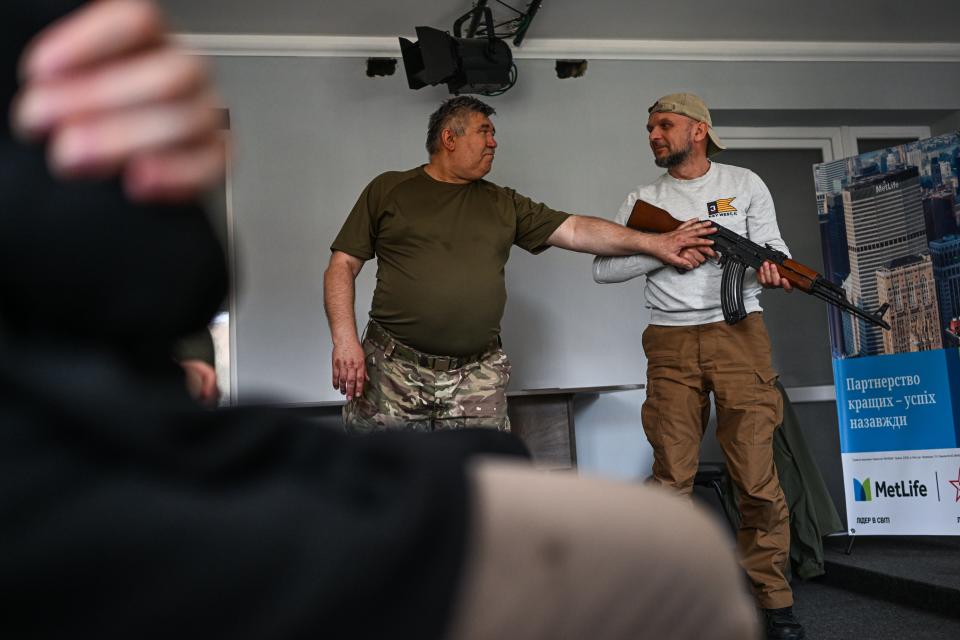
column 889, row 227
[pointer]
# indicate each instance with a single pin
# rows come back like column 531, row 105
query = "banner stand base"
column 849, row 550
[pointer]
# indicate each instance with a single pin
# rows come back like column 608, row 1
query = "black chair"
column 713, row 475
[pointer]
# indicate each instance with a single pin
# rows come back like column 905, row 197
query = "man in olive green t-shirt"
column 431, row 357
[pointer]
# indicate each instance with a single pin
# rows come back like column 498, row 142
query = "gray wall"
column 946, row 125
column 310, row 133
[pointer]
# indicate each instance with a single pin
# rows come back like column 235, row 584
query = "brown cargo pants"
column 686, row 364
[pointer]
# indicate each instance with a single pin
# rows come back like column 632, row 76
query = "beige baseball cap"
column 690, row 105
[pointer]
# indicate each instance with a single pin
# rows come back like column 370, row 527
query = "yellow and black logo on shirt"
column 721, row 207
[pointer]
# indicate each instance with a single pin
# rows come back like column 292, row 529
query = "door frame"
column 850, row 135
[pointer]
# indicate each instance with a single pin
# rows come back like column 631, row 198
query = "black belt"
column 393, row 348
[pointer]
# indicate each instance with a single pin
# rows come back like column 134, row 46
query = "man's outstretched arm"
column 602, row 237
column 339, row 293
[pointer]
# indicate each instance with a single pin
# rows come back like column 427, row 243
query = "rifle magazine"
column 731, row 291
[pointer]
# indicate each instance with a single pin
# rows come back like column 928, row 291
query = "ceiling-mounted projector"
column 466, row 65
column 481, row 62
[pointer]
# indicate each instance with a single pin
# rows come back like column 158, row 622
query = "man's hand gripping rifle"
column 737, row 253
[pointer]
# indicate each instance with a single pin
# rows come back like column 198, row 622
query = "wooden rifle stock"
column 651, row 218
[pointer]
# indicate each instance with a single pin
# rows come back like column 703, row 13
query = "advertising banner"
column 890, row 228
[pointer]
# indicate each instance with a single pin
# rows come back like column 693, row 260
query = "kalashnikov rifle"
column 737, row 253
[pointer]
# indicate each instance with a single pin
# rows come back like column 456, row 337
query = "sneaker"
column 782, row 625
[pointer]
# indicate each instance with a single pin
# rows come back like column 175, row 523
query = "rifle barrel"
column 841, row 301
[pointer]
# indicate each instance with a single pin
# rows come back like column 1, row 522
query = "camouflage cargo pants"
column 401, row 394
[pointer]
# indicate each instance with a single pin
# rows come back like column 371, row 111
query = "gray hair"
column 452, row 115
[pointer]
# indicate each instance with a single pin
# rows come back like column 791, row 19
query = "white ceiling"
column 767, row 20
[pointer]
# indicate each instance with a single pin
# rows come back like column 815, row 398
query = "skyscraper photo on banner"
column 890, row 227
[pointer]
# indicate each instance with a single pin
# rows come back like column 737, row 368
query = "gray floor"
column 934, row 560
column 830, row 613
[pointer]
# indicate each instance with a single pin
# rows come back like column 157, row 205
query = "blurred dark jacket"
column 126, row 511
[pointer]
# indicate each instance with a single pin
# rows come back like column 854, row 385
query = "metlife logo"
column 863, row 491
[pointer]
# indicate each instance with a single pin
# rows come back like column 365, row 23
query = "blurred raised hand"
column 112, row 95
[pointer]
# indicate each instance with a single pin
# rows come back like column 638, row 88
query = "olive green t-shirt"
column 441, row 250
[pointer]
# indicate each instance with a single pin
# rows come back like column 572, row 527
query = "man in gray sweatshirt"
column 691, row 351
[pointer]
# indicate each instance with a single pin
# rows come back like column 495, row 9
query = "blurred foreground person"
column 126, row 511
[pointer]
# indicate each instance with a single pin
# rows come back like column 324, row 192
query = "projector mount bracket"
column 516, row 27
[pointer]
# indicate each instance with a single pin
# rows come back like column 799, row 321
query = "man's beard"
column 673, row 159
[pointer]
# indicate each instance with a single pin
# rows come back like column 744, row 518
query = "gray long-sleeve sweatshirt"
column 731, row 196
